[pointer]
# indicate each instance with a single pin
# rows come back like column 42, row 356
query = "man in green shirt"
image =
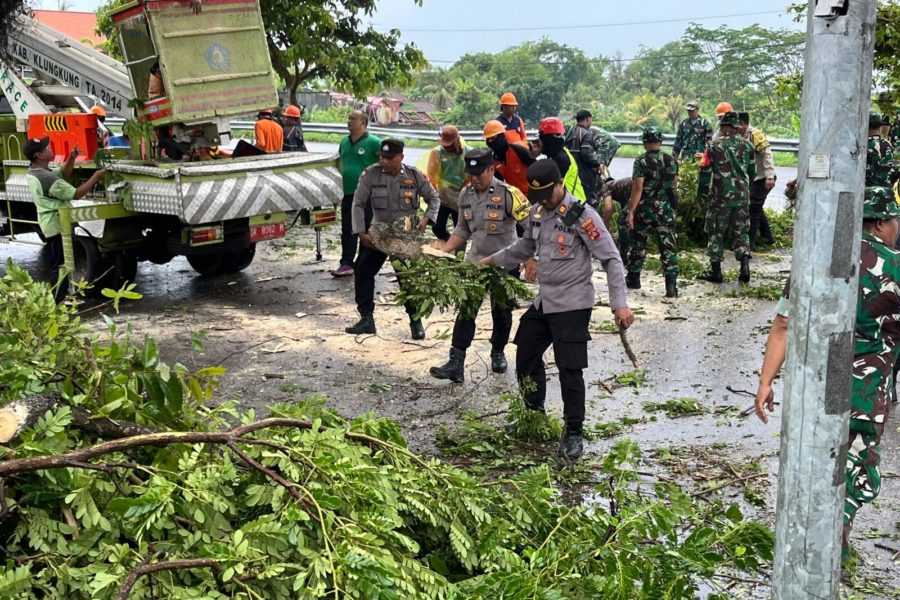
column 358, row 151
column 50, row 190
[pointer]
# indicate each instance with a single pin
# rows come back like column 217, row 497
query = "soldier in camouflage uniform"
column 651, row 210
column 880, row 167
column 693, row 134
column 875, row 347
column 733, row 167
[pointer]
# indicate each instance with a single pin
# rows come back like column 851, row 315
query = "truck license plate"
column 267, row 231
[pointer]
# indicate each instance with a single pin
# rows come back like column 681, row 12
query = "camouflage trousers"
column 723, row 223
column 659, row 221
column 704, row 183
column 870, row 403
column 624, row 234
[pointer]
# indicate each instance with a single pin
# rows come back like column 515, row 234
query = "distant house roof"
column 80, row 26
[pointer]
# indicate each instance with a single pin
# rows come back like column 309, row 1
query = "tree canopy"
column 548, row 78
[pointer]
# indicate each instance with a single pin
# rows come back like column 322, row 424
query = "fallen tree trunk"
column 17, row 416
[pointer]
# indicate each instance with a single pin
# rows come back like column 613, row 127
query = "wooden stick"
column 627, row 346
column 727, row 483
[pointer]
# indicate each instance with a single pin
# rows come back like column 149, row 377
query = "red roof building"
column 80, row 26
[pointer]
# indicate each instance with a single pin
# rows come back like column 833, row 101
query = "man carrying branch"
column 391, row 191
column 565, row 234
column 488, row 211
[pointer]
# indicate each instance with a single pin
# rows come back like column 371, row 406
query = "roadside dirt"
column 278, row 329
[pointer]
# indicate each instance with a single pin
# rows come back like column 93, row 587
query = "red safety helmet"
column 551, row 126
column 292, row 111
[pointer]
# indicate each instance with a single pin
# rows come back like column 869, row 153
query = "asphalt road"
column 621, row 167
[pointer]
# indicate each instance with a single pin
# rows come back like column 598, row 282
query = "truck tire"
column 238, row 260
column 229, row 261
column 207, row 265
column 89, row 264
column 124, row 269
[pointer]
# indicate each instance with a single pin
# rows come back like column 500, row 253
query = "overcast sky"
column 616, row 21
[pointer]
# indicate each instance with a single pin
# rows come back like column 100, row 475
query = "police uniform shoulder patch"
column 590, row 228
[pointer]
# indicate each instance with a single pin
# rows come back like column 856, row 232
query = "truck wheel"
column 124, row 268
column 89, row 265
column 238, row 260
column 207, row 264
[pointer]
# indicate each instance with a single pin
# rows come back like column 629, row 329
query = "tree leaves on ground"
column 334, row 508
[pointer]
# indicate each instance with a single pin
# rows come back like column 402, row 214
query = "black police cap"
column 391, row 147
column 478, row 159
column 543, row 175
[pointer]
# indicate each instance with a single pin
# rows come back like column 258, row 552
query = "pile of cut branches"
column 458, row 286
column 217, row 503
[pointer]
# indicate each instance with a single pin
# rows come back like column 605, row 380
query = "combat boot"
column 571, row 446
column 498, row 362
column 714, row 274
column 416, row 330
column 453, row 369
column 744, row 276
column 671, row 285
column 633, row 280
column 366, row 324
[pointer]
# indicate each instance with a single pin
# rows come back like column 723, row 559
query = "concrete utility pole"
column 836, row 100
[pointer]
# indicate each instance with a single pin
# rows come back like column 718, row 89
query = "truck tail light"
column 213, row 234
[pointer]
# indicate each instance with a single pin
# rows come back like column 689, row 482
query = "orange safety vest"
column 514, row 171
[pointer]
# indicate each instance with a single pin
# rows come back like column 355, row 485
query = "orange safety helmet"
column 508, row 99
column 98, row 110
column 723, row 107
column 493, row 128
column 292, row 111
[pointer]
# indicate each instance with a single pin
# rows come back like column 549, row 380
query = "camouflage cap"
column 729, row 118
column 694, row 105
column 652, row 135
column 880, row 203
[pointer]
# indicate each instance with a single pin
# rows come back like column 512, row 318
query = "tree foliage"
column 306, row 504
column 328, row 39
column 708, row 64
column 10, row 10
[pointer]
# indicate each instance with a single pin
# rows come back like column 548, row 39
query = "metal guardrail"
column 629, row 138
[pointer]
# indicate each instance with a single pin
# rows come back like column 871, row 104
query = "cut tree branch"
column 169, row 565
column 77, row 458
column 17, row 416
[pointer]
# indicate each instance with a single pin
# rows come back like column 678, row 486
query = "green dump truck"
column 213, row 66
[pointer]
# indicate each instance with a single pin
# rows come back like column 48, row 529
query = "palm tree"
column 643, row 109
column 673, row 107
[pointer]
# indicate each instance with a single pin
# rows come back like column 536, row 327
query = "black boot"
column 416, row 330
column 633, row 280
column 366, row 324
column 453, row 369
column 671, row 285
column 498, row 362
column 744, row 276
column 571, row 446
column 714, row 274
